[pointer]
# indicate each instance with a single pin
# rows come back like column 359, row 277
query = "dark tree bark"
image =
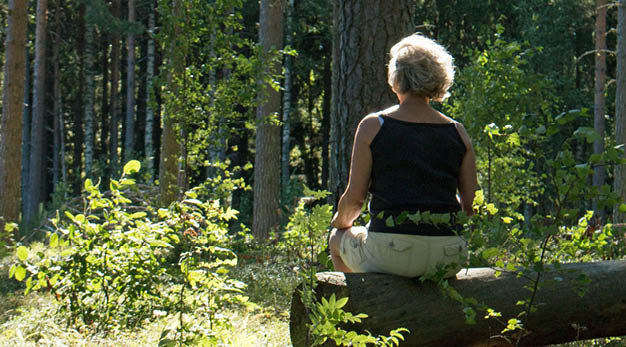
column 364, row 31
column 129, row 127
column 267, row 158
column 12, row 108
column 57, row 127
column 327, row 79
column 620, row 107
column 114, row 93
column 78, row 108
column 37, row 125
column 434, row 320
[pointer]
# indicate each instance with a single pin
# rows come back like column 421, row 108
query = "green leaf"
column 389, row 222
column 22, row 253
column 20, row 273
column 341, row 302
column 622, row 208
column 132, row 167
column 54, row 240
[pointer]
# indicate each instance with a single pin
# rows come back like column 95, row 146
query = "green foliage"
column 114, row 267
column 307, row 230
column 203, row 265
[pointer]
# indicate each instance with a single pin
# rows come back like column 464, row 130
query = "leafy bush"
column 114, row 268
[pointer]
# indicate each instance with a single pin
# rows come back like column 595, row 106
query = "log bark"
column 436, row 320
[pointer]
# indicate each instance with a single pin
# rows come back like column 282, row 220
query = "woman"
column 412, row 159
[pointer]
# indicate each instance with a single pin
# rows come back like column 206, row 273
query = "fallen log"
column 434, row 319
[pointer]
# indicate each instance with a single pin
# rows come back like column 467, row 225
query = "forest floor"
column 32, row 320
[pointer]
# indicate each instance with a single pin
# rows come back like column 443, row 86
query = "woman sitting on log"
column 413, row 160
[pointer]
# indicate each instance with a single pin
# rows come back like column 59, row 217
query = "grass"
column 32, row 320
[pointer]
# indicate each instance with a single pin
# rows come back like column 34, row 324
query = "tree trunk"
column 114, row 93
column 105, row 127
column 267, row 157
column 149, row 149
column 89, row 94
column 327, row 80
column 170, row 147
column 599, row 174
column 129, row 127
column 79, row 108
column 56, row 108
column 435, row 320
column 285, row 170
column 11, row 122
column 37, row 126
column 26, row 118
column 620, row 107
column 364, row 31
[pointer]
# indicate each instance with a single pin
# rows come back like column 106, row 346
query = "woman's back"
column 415, row 166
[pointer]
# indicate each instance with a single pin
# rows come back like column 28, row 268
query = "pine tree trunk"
column 170, row 147
column 599, row 174
column 89, row 95
column 148, row 144
column 267, row 157
column 37, row 126
column 26, row 117
column 129, row 127
column 364, row 31
column 620, row 107
column 327, row 80
column 11, row 122
column 285, row 170
column 114, row 93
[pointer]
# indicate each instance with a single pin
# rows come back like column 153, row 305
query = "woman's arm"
column 352, row 200
column 468, row 183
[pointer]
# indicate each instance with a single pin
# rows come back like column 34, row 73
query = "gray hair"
column 420, row 66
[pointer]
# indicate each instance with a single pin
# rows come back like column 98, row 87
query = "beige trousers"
column 402, row 255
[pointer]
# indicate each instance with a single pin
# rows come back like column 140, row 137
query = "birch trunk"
column 364, row 31
column 149, row 110
column 620, row 107
column 12, row 112
column 37, row 125
column 78, row 109
column 267, row 157
column 599, row 174
column 285, row 170
column 129, row 129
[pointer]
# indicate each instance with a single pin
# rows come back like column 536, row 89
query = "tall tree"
column 11, row 122
column 267, row 158
column 364, row 32
column 89, row 90
column 285, row 171
column 149, row 78
column 170, row 147
column 37, row 125
column 599, row 174
column 129, row 127
column 620, row 106
column 114, row 93
column 56, row 109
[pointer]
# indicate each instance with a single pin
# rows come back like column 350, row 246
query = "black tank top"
column 415, row 167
